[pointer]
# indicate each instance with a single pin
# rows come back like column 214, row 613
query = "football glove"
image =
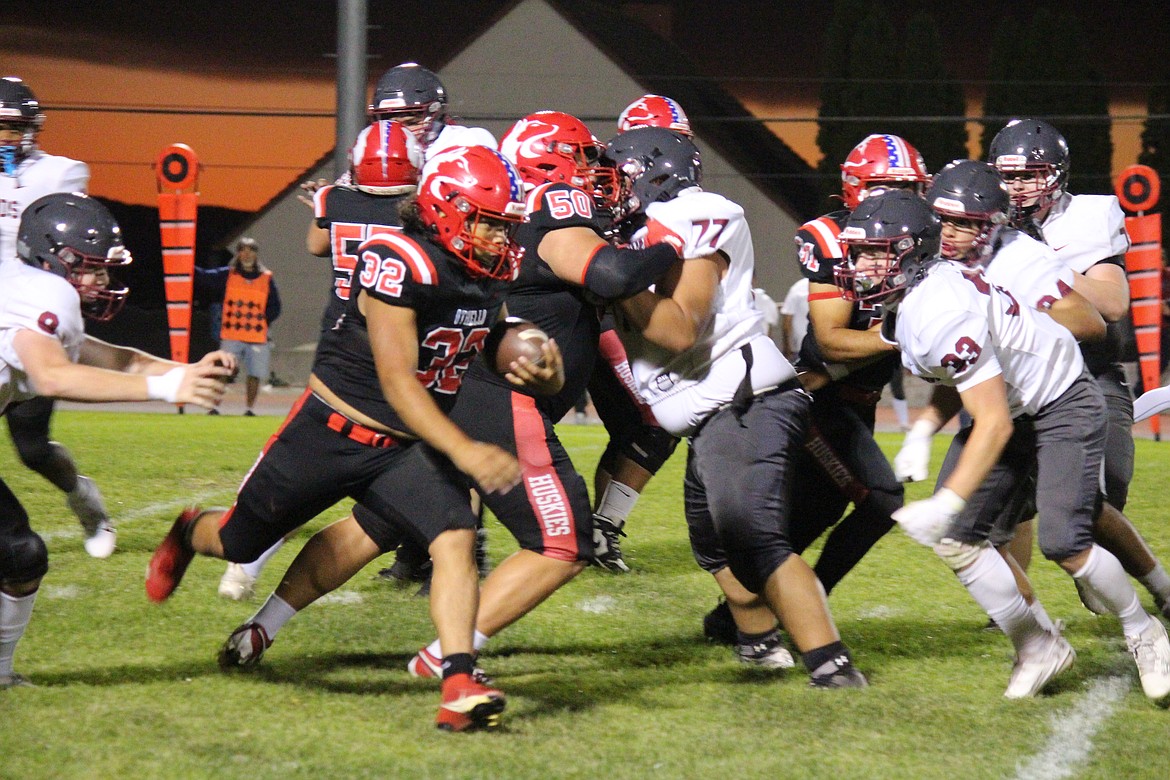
column 912, row 463
column 928, row 521
column 658, row 233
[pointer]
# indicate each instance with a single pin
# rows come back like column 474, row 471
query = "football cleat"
column 846, row 676
column 236, row 584
column 768, row 653
column 171, row 558
column 86, row 502
column 244, row 648
column 607, row 551
column 719, row 625
column 411, row 564
column 468, row 705
column 14, row 680
column 1091, row 600
column 1030, row 674
column 424, row 665
column 1151, row 650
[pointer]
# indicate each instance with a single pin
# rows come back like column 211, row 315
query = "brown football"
column 513, row 338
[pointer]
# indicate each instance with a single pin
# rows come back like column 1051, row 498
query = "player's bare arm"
column 829, row 315
column 1107, row 288
column 1075, row 312
column 987, row 403
column 675, row 322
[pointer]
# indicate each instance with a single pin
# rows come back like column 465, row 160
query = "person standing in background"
column 251, row 303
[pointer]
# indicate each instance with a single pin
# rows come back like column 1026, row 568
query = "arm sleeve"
column 272, row 308
column 613, row 274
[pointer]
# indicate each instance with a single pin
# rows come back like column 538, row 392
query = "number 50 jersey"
column 453, row 313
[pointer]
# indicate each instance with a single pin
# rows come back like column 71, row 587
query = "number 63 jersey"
column 957, row 328
column 453, row 313
column 683, row 389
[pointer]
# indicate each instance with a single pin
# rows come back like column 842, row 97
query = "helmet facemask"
column 91, row 277
column 873, row 269
column 474, row 244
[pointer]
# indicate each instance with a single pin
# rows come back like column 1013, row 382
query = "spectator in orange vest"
column 251, row 303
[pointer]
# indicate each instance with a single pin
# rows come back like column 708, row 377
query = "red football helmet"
column 880, row 159
column 385, row 159
column 655, row 111
column 464, row 188
column 551, row 146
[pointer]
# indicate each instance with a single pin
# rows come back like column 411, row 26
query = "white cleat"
column 236, row 584
column 1030, row 675
column 102, row 542
column 86, row 502
column 1151, row 651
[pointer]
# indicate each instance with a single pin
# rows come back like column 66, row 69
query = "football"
column 513, row 338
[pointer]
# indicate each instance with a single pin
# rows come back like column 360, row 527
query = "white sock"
column 1042, row 616
column 1103, row 574
column 273, row 615
column 902, row 411
column 1157, row 582
column 617, row 502
column 254, row 568
column 990, row 582
column 477, row 642
column 15, row 612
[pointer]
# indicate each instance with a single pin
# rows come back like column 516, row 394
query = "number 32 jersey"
column 957, row 328
column 453, row 313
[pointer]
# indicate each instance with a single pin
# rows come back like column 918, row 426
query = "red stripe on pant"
column 296, row 407
column 546, row 492
column 614, row 352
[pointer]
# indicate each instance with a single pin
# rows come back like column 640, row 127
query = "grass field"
column 611, row 678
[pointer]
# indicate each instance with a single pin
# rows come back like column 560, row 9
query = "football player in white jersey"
column 1087, row 232
column 1035, row 409
column 68, row 243
column 411, row 94
column 702, row 361
column 27, row 173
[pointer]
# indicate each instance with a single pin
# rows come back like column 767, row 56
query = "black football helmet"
column 1031, row 145
column 411, row 94
column 653, row 164
column 893, row 222
column 971, row 190
column 76, row 237
column 20, row 110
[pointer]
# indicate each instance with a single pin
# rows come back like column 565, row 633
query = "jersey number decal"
column 708, row 231
column 345, row 238
column 453, row 352
column 383, row 274
column 966, row 353
column 563, row 204
column 808, row 256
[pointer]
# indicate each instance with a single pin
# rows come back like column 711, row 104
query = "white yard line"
column 170, row 506
column 1071, row 739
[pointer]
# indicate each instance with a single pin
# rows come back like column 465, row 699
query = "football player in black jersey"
column 383, row 165
column 373, row 424
column 567, row 267
column 841, row 462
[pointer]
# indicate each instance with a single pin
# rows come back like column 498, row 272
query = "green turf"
column 610, row 678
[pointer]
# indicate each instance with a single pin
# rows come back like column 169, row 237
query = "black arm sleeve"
column 613, row 274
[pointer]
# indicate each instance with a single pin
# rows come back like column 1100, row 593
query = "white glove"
column 912, row 463
column 928, row 520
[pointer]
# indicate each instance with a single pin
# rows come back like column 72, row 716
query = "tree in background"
column 863, row 78
column 929, row 89
column 836, row 138
column 1156, row 136
column 1044, row 69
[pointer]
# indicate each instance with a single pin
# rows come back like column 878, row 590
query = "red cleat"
column 171, row 558
column 468, row 706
